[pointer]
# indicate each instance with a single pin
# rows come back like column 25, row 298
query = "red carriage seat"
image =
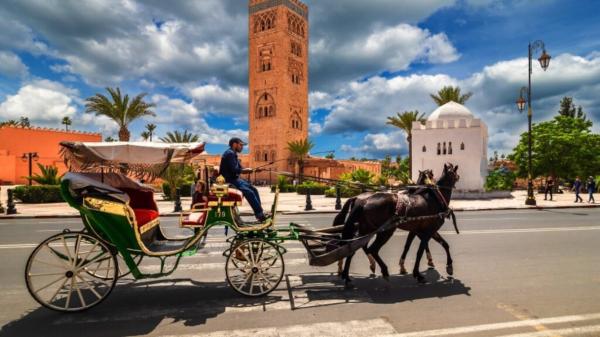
column 232, row 195
column 194, row 219
column 143, row 205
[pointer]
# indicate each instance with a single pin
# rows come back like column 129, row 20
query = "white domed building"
column 452, row 134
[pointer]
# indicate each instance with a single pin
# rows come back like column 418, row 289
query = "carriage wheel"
column 254, row 267
column 121, row 266
column 58, row 272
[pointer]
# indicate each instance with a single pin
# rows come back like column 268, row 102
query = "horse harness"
column 403, row 205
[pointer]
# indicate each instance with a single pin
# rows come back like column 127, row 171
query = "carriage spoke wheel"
column 71, row 272
column 121, row 265
column 254, row 267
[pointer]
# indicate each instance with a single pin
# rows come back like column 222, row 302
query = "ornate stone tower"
column 277, row 80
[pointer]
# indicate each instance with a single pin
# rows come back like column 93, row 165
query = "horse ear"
column 445, row 167
column 456, row 168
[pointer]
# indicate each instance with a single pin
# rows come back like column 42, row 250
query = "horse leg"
column 409, row 240
column 380, row 240
column 340, row 267
column 429, row 258
column 346, row 273
column 437, row 237
column 416, row 273
column 371, row 259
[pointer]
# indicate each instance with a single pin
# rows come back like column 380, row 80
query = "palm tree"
column 120, row 109
column 10, row 122
column 404, row 121
column 49, row 175
column 300, row 150
column 24, row 122
column 150, row 128
column 66, row 121
column 145, row 135
column 178, row 137
column 450, row 93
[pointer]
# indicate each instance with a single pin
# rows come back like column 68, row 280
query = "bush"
column 285, row 189
column 314, row 189
column 501, row 179
column 38, row 194
column 185, row 190
column 345, row 192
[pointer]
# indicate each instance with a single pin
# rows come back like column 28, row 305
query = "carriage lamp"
column 544, row 63
column 30, row 156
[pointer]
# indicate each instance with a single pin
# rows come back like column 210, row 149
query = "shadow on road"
column 327, row 289
column 137, row 309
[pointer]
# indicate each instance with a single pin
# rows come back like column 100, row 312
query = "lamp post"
column 30, row 156
column 544, row 62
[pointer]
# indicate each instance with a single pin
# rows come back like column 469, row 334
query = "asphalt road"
column 518, row 273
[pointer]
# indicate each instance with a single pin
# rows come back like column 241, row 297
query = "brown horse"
column 423, row 209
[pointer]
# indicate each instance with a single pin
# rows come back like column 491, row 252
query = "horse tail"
column 340, row 218
column 349, row 225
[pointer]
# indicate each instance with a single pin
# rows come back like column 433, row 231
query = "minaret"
column 277, row 80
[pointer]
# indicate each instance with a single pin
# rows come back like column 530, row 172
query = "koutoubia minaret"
column 277, row 81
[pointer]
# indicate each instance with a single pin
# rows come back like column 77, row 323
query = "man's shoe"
column 263, row 217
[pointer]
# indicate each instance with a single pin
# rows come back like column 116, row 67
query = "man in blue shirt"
column 231, row 169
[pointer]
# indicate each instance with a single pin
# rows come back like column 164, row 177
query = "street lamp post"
column 544, row 62
column 30, row 156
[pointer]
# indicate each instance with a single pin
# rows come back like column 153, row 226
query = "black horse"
column 425, row 179
column 423, row 208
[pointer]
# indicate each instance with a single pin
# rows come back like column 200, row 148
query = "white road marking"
column 220, row 243
column 212, row 265
column 358, row 328
column 506, row 325
column 589, row 329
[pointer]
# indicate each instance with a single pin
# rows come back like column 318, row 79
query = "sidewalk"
column 292, row 203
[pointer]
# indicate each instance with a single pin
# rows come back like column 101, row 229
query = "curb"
column 171, row 214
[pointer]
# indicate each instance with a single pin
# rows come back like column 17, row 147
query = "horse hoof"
column 386, row 277
column 349, row 285
column 430, row 264
column 372, row 267
column 403, row 272
column 449, row 270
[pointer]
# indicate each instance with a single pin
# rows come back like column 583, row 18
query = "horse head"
column 449, row 175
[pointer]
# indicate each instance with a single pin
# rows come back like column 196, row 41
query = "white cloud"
column 11, row 65
column 214, row 99
column 42, row 101
column 377, row 145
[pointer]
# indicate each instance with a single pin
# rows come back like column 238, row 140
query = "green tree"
column 49, row 175
column 567, row 108
column 178, row 137
column 145, row 135
column 500, row 179
column 150, row 129
column 330, row 155
column 450, row 94
column 66, row 121
column 109, row 139
column 562, row 147
column 120, row 109
column 404, row 122
column 300, row 150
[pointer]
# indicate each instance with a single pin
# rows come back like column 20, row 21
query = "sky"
column 368, row 60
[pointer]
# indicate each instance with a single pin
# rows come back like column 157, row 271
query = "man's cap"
column 236, row 140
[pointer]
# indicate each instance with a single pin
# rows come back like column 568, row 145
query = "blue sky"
column 368, row 60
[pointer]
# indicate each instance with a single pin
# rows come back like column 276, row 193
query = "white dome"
column 451, row 110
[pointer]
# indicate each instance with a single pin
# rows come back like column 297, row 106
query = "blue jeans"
column 251, row 195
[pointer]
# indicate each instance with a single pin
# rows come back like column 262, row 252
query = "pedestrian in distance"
column 591, row 188
column 549, row 187
column 577, row 189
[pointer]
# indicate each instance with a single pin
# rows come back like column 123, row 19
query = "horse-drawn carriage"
column 75, row 270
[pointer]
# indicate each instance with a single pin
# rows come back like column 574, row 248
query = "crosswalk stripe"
column 589, row 329
column 358, row 328
column 505, row 325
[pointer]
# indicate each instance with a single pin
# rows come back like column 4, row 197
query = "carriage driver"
column 231, row 169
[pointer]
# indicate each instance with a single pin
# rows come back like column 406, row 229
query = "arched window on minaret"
column 449, row 147
column 462, row 146
column 266, row 106
column 273, row 155
column 444, row 151
column 257, row 156
column 266, row 156
column 424, row 148
column 439, row 149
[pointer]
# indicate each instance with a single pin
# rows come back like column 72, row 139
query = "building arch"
column 265, row 106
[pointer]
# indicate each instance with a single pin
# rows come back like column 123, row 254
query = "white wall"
column 472, row 161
